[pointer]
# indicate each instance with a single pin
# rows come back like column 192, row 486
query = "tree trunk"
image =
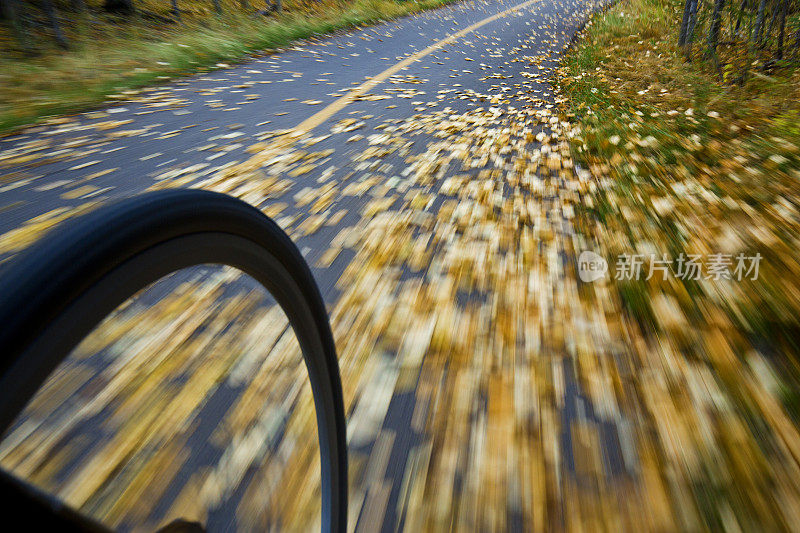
column 692, row 21
column 50, row 11
column 687, row 8
column 217, row 6
column 78, row 5
column 119, row 6
column 759, row 21
column 713, row 30
column 690, row 30
column 245, row 4
column 784, row 8
column 775, row 14
column 739, row 17
column 175, row 10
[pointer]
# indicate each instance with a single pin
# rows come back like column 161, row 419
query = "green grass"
column 107, row 58
column 651, row 122
column 688, row 161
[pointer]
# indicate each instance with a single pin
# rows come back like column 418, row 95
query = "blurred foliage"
column 696, row 163
column 741, row 36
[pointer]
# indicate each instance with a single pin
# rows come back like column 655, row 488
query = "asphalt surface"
column 188, row 131
column 206, row 122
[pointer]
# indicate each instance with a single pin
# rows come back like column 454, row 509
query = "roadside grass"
column 684, row 160
column 688, row 162
column 110, row 56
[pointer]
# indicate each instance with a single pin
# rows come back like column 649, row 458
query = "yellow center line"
column 337, row 105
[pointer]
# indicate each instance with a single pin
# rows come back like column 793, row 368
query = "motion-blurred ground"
column 486, row 386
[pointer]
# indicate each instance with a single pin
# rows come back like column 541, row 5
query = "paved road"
column 192, row 128
column 413, row 163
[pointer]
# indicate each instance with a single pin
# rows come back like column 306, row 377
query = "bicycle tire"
column 54, row 294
